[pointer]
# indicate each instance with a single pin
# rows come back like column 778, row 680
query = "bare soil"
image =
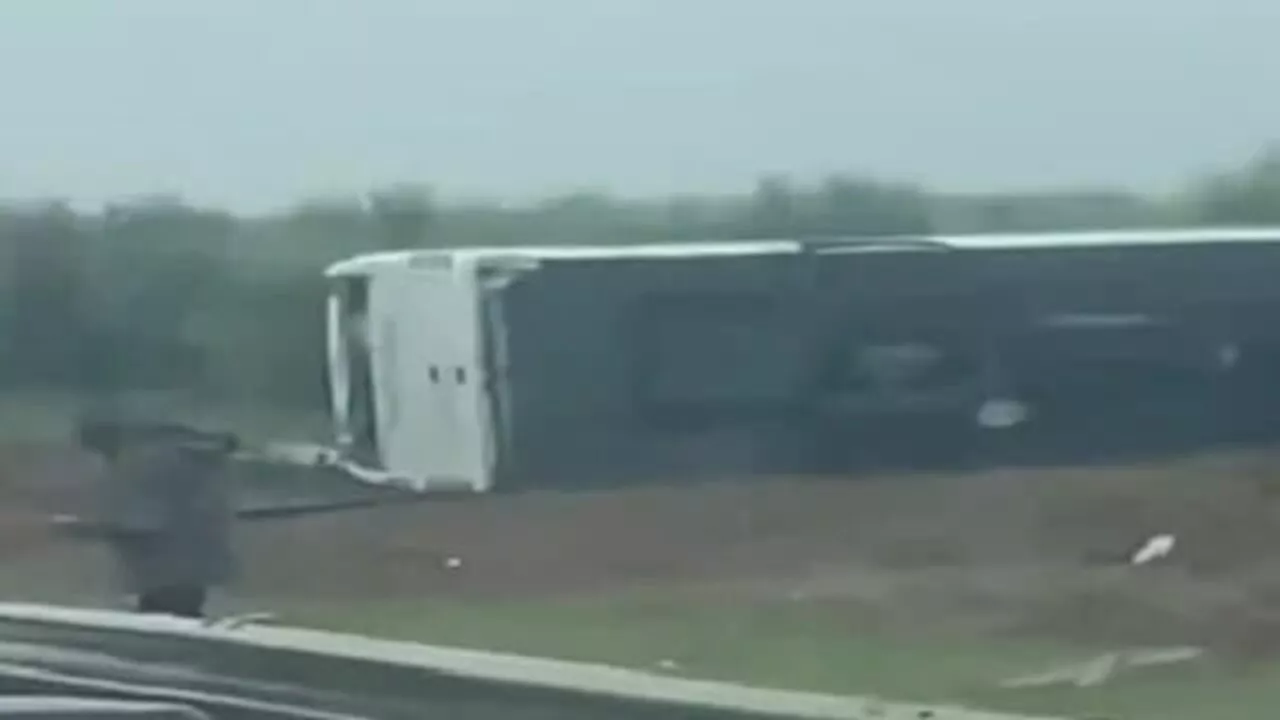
column 1037, row 553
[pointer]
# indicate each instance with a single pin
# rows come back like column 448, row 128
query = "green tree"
column 849, row 206
column 1247, row 196
column 402, row 216
column 773, row 209
column 47, row 322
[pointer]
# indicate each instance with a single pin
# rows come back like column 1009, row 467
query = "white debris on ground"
column 1002, row 414
column 312, row 455
column 453, row 562
column 291, row 453
column 233, row 622
column 1100, row 669
column 1156, row 547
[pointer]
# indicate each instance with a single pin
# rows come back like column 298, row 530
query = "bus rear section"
column 407, row 376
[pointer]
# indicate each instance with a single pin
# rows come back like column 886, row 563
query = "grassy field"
column 555, row 574
column 805, row 648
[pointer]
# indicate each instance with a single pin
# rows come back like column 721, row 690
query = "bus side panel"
column 582, row 407
column 573, row 342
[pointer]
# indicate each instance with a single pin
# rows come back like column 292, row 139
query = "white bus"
column 472, row 368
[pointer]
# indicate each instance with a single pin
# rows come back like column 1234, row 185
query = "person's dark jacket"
column 166, row 510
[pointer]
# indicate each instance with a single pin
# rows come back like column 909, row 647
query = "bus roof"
column 371, row 263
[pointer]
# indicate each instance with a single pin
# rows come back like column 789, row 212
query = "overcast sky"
column 256, row 103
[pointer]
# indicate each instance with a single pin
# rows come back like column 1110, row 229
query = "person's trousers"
column 178, row 600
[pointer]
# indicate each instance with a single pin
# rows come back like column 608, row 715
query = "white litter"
column 1002, row 413
column 1158, row 546
column 1098, row 670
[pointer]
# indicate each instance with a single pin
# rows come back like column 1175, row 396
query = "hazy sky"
column 255, row 103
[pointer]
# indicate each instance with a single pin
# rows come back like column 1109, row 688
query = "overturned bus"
column 484, row 368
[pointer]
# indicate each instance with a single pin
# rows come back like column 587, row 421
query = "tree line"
column 155, row 293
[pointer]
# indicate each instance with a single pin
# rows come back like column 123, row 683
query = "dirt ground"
column 1026, row 552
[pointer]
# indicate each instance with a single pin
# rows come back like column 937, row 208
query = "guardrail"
column 238, row 670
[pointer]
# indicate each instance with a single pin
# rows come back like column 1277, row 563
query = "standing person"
column 165, row 511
